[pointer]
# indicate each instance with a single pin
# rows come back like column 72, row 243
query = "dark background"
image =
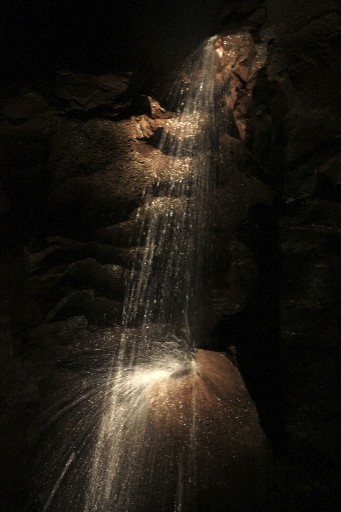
column 97, row 35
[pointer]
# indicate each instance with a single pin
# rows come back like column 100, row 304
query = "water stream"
column 161, row 427
column 150, row 424
column 166, row 286
column 140, row 462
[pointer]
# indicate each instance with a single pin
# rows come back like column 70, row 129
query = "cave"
column 100, row 142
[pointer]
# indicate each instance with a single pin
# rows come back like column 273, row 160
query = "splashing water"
column 140, row 463
column 166, row 285
column 142, row 456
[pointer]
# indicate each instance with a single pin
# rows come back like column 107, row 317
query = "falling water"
column 131, row 437
column 165, row 286
column 140, row 463
column 160, row 428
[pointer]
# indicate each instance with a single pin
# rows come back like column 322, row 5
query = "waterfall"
column 162, row 427
column 166, row 285
column 141, row 462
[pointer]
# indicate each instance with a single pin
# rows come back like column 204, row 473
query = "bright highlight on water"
column 157, row 407
column 165, row 288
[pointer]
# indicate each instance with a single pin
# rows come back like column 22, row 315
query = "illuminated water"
column 125, row 438
column 137, row 464
column 166, row 284
column 145, row 431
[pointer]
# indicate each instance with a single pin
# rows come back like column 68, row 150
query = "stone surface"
column 95, row 175
column 228, row 432
column 76, row 157
column 86, row 91
column 304, row 70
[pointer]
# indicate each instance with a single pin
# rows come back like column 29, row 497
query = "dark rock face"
column 76, row 158
column 304, row 71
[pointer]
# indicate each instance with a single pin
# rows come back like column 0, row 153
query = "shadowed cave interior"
column 93, row 148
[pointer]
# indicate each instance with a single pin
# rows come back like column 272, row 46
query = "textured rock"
column 85, row 91
column 304, row 73
column 107, row 279
column 241, row 60
column 149, row 106
column 70, row 167
column 95, row 176
column 225, row 418
column 98, row 310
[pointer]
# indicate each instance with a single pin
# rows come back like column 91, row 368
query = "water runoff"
column 141, row 454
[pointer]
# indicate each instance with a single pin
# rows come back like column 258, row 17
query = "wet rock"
column 97, row 178
column 120, row 235
column 98, row 310
column 230, row 126
column 82, row 149
column 82, row 204
column 57, row 334
column 163, row 168
column 147, row 128
column 62, row 251
column 150, row 107
column 108, row 280
column 72, row 343
column 107, row 312
column 85, row 91
column 227, row 210
column 160, row 207
column 279, row 89
column 242, row 62
column 234, row 283
column 236, row 147
column 53, row 245
column 214, row 375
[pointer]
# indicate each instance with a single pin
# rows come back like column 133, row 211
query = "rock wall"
column 294, row 127
column 76, row 157
column 304, row 72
